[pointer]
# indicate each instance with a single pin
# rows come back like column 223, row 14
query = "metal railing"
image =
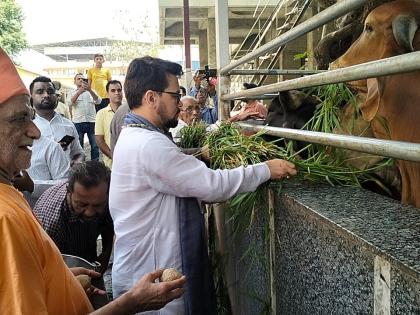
column 320, row 19
column 398, row 64
column 394, row 65
column 395, row 149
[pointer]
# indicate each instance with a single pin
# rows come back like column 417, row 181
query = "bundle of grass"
column 193, row 136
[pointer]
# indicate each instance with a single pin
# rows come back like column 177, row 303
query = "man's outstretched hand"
column 280, row 169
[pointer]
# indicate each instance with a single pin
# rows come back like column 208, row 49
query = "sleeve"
column 186, row 176
column 22, row 283
column 50, row 220
column 98, row 100
column 75, row 147
column 99, row 124
column 215, row 110
column 193, row 92
column 57, row 162
column 71, row 93
column 108, row 75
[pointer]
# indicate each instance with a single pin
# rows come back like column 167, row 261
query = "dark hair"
column 98, row 55
column 147, row 73
column 184, row 91
column 89, row 174
column 248, row 86
column 57, row 84
column 39, row 79
column 112, row 82
column 74, row 78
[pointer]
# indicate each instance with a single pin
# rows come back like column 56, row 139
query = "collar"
column 42, row 118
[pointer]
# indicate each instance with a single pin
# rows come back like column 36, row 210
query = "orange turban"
column 11, row 83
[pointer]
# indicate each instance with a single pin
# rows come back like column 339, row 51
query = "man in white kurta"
column 150, row 174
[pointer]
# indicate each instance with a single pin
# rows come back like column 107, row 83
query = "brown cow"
column 392, row 103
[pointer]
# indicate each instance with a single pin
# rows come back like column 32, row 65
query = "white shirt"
column 83, row 110
column 56, row 129
column 176, row 132
column 48, row 161
column 143, row 204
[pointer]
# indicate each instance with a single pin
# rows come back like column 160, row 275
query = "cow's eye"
column 368, row 28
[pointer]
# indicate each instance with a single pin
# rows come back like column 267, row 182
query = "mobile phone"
column 208, row 73
column 66, row 140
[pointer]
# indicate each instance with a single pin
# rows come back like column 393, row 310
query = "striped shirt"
column 72, row 235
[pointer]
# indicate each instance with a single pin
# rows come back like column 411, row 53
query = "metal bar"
column 222, row 51
column 399, row 64
column 252, row 27
column 396, row 149
column 281, row 48
column 320, row 19
column 273, row 72
column 187, row 45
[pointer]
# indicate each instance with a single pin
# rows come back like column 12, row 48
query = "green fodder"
column 193, row 136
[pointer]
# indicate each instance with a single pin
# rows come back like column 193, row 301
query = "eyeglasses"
column 176, row 94
column 190, row 110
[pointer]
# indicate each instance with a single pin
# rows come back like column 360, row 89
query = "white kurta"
column 56, row 129
column 148, row 173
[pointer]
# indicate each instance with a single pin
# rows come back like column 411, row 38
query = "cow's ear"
column 371, row 105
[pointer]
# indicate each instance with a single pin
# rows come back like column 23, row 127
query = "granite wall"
column 337, row 250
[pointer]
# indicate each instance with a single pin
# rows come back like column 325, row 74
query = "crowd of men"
column 146, row 209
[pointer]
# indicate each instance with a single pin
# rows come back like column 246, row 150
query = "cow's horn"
column 404, row 28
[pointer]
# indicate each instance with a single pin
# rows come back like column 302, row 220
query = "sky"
column 82, row 19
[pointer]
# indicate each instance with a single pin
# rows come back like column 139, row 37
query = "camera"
column 85, row 80
column 208, row 73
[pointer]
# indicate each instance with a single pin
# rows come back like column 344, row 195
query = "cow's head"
column 389, row 30
column 291, row 109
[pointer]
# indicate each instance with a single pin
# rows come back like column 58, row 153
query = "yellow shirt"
column 99, row 78
column 34, row 278
column 103, row 128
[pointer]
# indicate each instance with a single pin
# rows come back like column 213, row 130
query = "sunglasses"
column 176, row 94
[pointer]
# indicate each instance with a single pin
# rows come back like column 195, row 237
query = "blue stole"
column 199, row 296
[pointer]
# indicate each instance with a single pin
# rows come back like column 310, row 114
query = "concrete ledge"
column 345, row 250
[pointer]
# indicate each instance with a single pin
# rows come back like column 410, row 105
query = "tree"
column 12, row 38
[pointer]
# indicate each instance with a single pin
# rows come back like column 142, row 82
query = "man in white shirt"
column 49, row 166
column 48, row 161
column 51, row 124
column 155, row 187
column 82, row 104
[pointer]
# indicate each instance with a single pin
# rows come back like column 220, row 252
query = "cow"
column 392, row 103
column 291, row 109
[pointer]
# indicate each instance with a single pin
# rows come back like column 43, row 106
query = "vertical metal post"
column 187, row 45
column 222, row 54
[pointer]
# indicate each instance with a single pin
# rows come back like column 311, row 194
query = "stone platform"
column 336, row 250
